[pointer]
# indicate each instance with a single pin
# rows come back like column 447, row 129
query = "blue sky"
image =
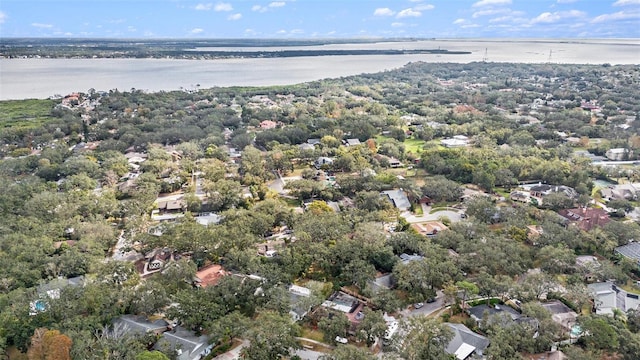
column 320, row 18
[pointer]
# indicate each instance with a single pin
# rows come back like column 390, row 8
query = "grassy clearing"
column 309, row 333
column 25, row 113
column 414, row 145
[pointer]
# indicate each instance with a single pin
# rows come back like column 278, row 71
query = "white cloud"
column 424, row 7
column 297, row 31
column 383, row 12
column 566, row 1
column 548, row 17
column 197, row 31
column 491, row 2
column 281, row 32
column 397, row 24
column 500, row 19
column 259, row 8
column 502, row 11
column 237, row 16
column 204, row 7
column 42, row 26
column 223, row 7
column 276, row 4
column 626, row 2
column 470, row 26
column 3, row 17
column 620, row 15
column 459, row 21
column 131, row 29
column 408, row 13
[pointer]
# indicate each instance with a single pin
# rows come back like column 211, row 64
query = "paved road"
column 309, row 354
column 428, row 308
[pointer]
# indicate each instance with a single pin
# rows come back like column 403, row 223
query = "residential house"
column 586, row 218
column 520, row 196
column 306, row 147
column 185, row 343
column 172, row 206
column 51, row 290
column 466, row 344
column 406, row 258
column 630, row 251
column 297, row 296
column 351, row 142
column 561, row 314
column 381, row 282
column 621, row 192
column 617, row 154
column 210, row 275
column 607, row 297
column 322, row 162
column 342, row 302
column 494, row 313
column 429, row 228
column 140, row 325
column 542, row 190
column 398, row 198
column 455, row 142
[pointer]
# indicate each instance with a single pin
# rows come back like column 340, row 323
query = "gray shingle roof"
column 463, row 335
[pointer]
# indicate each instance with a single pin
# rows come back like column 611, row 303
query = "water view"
column 41, row 78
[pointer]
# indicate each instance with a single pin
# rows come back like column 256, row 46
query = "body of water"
column 41, row 78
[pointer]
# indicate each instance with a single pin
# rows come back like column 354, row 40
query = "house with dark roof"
column 561, row 314
column 630, row 251
column 502, row 314
column 586, row 218
column 466, row 344
column 542, row 190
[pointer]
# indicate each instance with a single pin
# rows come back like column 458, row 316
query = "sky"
column 320, row 18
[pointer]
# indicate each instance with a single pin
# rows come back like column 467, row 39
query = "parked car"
column 341, row 340
column 418, row 305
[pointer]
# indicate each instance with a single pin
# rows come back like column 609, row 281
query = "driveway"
column 451, row 213
column 428, row 308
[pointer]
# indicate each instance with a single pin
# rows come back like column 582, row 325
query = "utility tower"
column 549, row 59
column 486, row 56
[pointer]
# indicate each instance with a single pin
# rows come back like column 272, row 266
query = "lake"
column 41, row 78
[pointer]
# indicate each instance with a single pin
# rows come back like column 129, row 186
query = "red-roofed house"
column 586, row 218
column 210, row 275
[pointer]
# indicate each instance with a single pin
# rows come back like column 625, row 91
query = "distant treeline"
column 74, row 48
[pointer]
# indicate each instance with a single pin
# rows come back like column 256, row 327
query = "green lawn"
column 410, row 144
column 414, row 145
column 25, row 113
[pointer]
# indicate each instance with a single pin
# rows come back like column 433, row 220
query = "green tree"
column 151, row 355
column 424, row 339
column 371, row 327
column 334, row 324
column 348, row 352
column 272, row 336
